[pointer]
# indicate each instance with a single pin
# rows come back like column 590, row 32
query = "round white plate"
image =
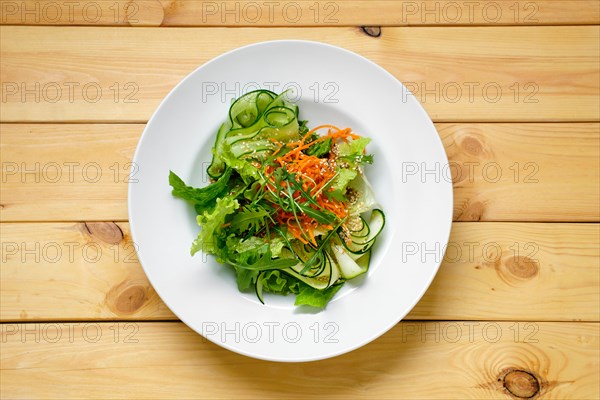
column 410, row 177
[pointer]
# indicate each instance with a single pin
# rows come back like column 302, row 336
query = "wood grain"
column 297, row 13
column 517, row 271
column 548, row 73
column 514, row 310
column 57, row 172
column 469, row 360
column 506, row 271
column 66, row 172
column 46, row 266
column 524, row 172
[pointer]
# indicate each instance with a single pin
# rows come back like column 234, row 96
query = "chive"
column 313, row 258
column 292, row 202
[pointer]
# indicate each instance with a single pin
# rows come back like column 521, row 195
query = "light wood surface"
column 501, row 172
column 52, row 74
column 66, row 172
column 472, row 360
column 297, row 13
column 515, row 308
column 47, row 265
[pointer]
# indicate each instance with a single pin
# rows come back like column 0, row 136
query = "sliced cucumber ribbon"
column 254, row 119
column 346, row 258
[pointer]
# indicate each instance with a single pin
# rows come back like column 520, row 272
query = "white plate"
column 335, row 86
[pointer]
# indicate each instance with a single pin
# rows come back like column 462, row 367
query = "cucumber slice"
column 328, row 276
column 258, row 287
column 217, row 166
column 246, row 148
column 365, row 260
column 279, row 123
column 365, row 199
column 358, row 227
column 257, row 115
column 349, row 268
column 247, row 109
column 359, row 245
column 376, row 224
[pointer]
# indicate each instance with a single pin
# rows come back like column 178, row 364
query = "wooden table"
column 513, row 87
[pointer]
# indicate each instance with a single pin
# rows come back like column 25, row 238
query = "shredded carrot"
column 313, row 173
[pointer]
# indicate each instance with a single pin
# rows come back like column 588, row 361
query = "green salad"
column 288, row 207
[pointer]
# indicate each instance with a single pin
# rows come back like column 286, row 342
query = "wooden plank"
column 297, row 13
column 516, row 271
column 523, row 172
column 66, row 172
column 549, row 73
column 436, row 360
column 46, row 266
column 500, row 171
column 503, row 271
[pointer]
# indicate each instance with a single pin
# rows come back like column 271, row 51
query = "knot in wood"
column 108, row 232
column 522, row 267
column 373, row 31
column 521, row 384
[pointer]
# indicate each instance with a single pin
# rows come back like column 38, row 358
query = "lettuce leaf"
column 319, row 149
column 343, row 178
column 302, row 127
column 274, row 281
column 202, row 198
column 310, row 296
column 247, row 171
column 353, row 152
column 253, row 243
column 353, row 147
column 211, row 223
column 252, row 252
column 245, row 277
column 279, row 282
column 255, row 253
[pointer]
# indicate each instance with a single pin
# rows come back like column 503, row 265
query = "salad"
column 288, row 207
